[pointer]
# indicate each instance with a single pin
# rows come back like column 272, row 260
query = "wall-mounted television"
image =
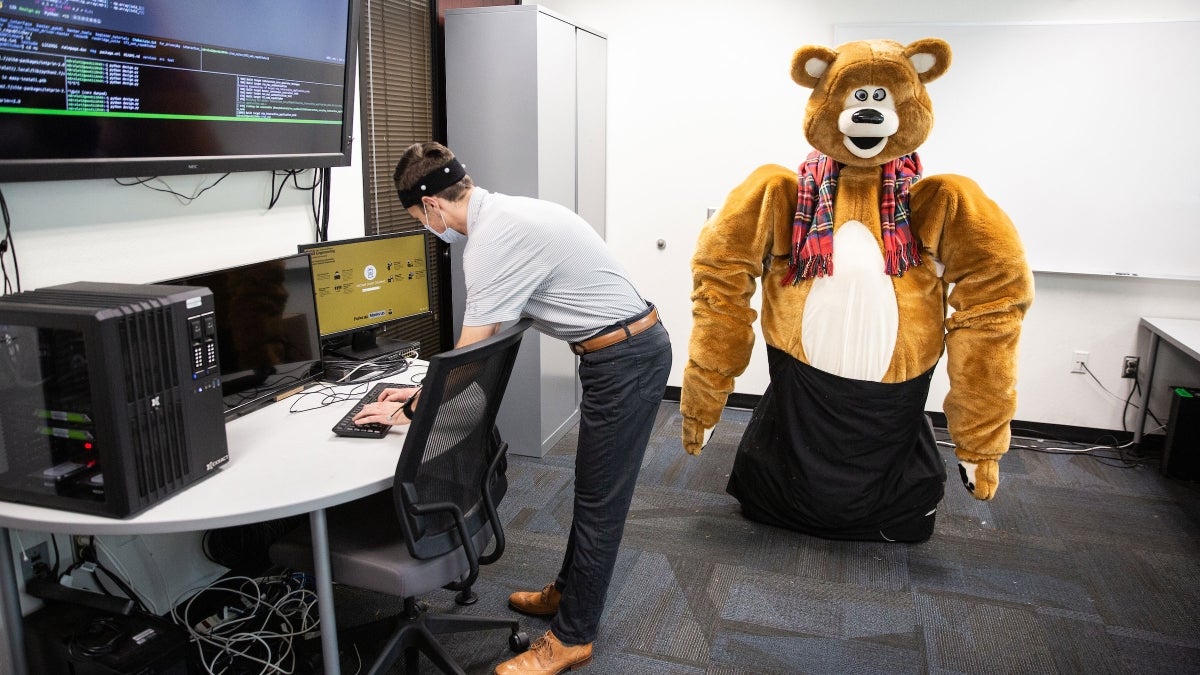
column 364, row 284
column 94, row 89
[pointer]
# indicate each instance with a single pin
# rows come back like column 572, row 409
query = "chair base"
column 414, row 632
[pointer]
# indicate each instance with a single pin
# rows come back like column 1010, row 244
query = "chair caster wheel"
column 518, row 641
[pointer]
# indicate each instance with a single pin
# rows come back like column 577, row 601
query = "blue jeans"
column 623, row 386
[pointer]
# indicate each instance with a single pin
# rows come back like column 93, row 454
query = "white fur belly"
column 850, row 318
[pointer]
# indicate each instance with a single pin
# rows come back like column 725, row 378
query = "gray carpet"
column 1077, row 566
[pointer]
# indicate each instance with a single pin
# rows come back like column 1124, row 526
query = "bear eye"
column 861, row 94
column 879, row 95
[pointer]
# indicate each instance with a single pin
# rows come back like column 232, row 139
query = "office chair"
column 430, row 530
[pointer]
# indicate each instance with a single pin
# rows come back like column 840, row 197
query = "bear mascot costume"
column 860, row 259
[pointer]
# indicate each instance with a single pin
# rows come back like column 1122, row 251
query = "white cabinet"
column 526, row 95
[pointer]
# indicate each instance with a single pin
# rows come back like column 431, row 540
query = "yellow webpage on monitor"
column 366, row 282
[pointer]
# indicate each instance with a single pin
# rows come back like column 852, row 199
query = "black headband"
column 432, row 183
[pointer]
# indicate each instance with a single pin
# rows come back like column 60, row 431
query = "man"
column 528, row 257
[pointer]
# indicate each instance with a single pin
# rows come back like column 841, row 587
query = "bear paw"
column 695, row 436
column 980, row 478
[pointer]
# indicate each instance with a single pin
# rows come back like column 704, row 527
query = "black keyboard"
column 346, row 425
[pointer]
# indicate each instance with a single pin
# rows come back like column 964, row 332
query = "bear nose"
column 867, row 116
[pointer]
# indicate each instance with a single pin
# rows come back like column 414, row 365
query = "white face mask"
column 450, row 236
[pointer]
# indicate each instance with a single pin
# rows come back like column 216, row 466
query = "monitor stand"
column 364, row 346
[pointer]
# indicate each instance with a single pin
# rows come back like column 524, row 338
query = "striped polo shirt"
column 534, row 258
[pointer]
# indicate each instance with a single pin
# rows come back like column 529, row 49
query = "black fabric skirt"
column 840, row 458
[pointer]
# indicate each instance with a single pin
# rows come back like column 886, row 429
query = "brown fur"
column 986, row 279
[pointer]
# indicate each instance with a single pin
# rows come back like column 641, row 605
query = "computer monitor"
column 364, row 284
column 266, row 329
column 93, row 89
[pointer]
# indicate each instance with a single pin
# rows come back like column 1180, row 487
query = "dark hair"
column 421, row 158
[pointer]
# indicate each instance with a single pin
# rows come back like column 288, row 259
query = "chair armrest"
column 464, row 535
column 489, row 504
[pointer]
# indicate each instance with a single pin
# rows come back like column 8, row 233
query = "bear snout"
column 865, row 129
column 867, row 116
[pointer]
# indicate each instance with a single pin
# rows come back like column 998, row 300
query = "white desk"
column 280, row 464
column 1183, row 334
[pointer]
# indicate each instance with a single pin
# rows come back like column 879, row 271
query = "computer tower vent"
column 155, row 413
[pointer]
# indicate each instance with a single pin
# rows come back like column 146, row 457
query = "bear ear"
column 930, row 57
column 809, row 63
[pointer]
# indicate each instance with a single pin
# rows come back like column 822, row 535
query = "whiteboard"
column 1087, row 135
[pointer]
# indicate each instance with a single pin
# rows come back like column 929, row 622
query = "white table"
column 280, row 464
column 1183, row 334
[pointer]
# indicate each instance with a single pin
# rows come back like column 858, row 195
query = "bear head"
column 869, row 104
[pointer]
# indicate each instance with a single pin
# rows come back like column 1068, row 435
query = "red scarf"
column 812, row 231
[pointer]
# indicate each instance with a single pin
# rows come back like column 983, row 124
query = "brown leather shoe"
column 536, row 603
column 547, row 656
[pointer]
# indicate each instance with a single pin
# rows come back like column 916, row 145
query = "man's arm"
column 473, row 334
column 384, row 412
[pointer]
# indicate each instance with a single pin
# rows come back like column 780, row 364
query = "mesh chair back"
column 449, row 450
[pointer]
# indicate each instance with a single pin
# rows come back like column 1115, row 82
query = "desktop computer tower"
column 1181, row 454
column 110, row 395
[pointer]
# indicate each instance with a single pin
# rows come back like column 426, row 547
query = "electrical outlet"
column 78, row 543
column 33, row 555
column 1130, row 367
column 1079, row 362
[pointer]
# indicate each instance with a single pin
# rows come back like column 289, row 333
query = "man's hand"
column 387, row 410
column 399, row 394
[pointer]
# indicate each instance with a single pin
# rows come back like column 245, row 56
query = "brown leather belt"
column 618, row 335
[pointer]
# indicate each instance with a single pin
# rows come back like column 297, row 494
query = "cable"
column 329, row 393
column 1101, row 384
column 8, row 247
column 1150, row 412
column 256, row 625
column 57, row 556
column 1128, row 404
column 182, row 198
column 90, row 555
column 319, row 198
column 324, row 202
column 385, row 365
column 1135, row 387
column 1126, row 461
column 287, row 174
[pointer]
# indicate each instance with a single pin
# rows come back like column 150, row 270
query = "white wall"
column 700, row 94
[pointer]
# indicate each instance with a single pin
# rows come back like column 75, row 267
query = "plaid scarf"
column 812, row 231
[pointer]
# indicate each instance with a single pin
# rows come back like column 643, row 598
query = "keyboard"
column 346, row 425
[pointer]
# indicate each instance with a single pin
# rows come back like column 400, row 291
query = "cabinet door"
column 591, row 66
column 556, row 110
column 492, row 102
